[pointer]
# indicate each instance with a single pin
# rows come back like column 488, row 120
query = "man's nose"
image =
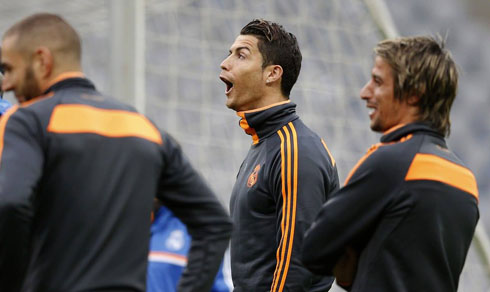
column 365, row 92
column 225, row 64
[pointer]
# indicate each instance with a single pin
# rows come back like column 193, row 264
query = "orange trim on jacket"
column 264, row 107
column 244, row 123
column 329, row 153
column 36, row 99
column 289, row 177
column 75, row 118
column 249, row 130
column 394, row 128
column 361, row 161
column 61, row 77
column 432, row 167
column 371, row 151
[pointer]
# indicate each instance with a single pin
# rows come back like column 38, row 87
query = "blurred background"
column 163, row 57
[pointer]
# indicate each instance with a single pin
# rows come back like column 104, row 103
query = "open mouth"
column 229, row 84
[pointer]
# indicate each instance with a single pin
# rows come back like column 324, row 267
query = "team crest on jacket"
column 252, row 179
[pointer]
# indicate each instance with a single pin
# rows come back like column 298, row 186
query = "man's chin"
column 26, row 97
column 376, row 128
column 230, row 104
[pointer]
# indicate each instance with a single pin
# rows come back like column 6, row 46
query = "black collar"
column 69, row 83
column 262, row 122
column 399, row 132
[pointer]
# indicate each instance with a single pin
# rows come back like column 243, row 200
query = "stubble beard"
column 31, row 88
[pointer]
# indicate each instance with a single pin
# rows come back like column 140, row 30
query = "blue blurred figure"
column 4, row 104
column 169, row 245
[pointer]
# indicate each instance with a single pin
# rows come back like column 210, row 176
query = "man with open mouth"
column 288, row 172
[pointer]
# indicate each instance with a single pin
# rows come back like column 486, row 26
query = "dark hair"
column 422, row 67
column 46, row 29
column 278, row 47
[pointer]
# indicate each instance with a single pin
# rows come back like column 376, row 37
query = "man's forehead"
column 379, row 62
column 246, row 41
column 8, row 43
column 10, row 51
column 380, row 65
column 4, row 49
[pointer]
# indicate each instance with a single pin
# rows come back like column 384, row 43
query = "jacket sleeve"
column 223, row 282
column 186, row 194
column 21, row 163
column 303, row 177
column 348, row 218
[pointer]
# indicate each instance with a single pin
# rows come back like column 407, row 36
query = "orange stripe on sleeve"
column 286, row 183
column 293, row 211
column 371, row 150
column 329, row 153
column 432, row 167
column 283, row 191
column 353, row 170
column 75, row 118
column 3, row 124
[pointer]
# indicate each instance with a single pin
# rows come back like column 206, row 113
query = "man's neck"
column 271, row 98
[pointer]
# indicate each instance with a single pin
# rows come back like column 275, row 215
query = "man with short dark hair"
column 406, row 216
column 288, row 172
column 78, row 174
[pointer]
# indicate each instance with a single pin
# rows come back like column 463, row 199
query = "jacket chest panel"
column 251, row 193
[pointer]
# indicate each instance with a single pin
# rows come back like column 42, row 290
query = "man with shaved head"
column 38, row 40
column 78, row 174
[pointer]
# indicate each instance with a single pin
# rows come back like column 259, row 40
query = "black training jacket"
column 409, row 208
column 285, row 178
column 78, row 175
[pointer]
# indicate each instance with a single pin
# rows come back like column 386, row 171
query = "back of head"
column 422, row 67
column 48, row 30
column 278, row 47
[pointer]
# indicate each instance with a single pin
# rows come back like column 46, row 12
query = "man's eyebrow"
column 241, row 48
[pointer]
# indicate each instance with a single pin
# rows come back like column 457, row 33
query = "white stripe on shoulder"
column 165, row 257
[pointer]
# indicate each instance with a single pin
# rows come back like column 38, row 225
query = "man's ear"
column 43, row 62
column 413, row 100
column 274, row 73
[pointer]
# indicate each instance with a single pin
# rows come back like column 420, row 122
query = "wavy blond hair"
column 422, row 67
